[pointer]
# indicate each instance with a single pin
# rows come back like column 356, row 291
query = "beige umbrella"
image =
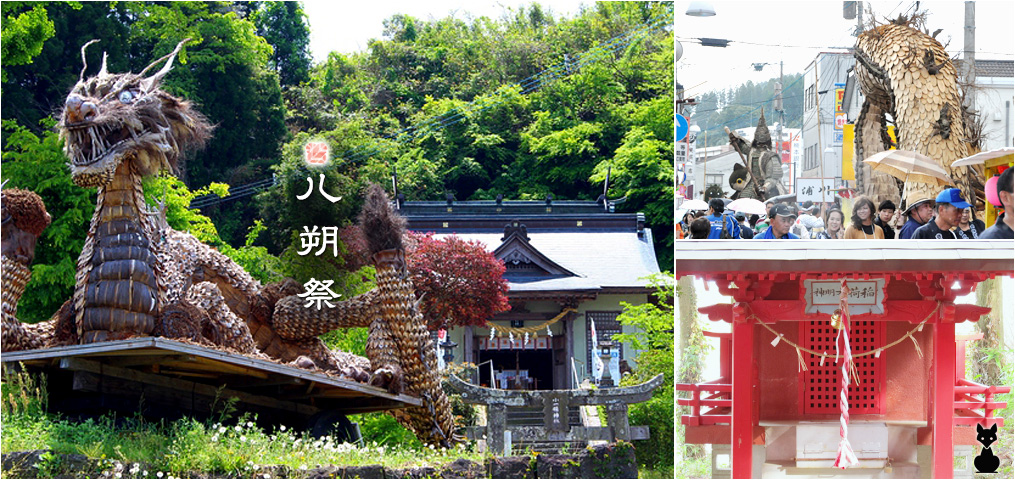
column 909, row 166
column 982, row 157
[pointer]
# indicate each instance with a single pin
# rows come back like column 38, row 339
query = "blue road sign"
column 681, row 126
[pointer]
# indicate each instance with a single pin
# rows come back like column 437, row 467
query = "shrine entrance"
column 517, row 369
column 788, row 404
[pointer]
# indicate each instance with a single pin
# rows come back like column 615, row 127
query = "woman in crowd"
column 967, row 229
column 833, row 225
column 863, row 226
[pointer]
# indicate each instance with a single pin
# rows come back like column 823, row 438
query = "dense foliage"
column 248, row 68
column 654, row 342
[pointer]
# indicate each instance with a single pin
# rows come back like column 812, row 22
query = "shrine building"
column 568, row 264
column 776, row 409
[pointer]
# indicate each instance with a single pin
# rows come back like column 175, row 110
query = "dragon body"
column 137, row 276
column 907, row 75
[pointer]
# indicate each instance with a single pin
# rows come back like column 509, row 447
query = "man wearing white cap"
column 949, row 205
column 920, row 210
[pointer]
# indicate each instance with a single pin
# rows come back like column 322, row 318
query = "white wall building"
column 820, row 105
column 993, row 97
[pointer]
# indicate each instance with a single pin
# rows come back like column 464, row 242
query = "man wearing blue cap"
column 948, row 209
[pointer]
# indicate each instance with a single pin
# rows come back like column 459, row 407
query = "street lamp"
column 606, row 355
column 701, row 9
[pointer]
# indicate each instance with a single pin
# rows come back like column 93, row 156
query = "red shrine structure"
column 776, row 405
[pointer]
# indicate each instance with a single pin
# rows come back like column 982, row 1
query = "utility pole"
column 817, row 112
column 782, row 116
column 969, row 54
column 859, row 18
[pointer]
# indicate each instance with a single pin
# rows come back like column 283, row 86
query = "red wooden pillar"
column 742, row 427
column 942, row 440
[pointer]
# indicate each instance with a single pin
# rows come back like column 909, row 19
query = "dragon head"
column 109, row 119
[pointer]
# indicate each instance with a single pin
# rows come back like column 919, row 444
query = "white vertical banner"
column 597, row 363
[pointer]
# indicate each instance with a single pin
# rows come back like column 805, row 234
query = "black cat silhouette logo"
column 986, row 461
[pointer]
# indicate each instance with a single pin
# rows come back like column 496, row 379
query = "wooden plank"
column 273, row 381
column 79, row 350
column 137, row 360
column 184, row 373
column 361, row 404
column 155, row 345
column 78, row 364
column 205, row 365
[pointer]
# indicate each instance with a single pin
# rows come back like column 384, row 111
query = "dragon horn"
column 84, row 61
column 150, row 81
column 103, row 71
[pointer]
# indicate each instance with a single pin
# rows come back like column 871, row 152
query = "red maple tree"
column 458, row 281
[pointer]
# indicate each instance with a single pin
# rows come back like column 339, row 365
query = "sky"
column 347, row 27
column 803, row 29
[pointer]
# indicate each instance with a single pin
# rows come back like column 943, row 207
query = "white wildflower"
column 243, row 438
column 159, row 474
column 303, row 467
column 222, row 429
column 250, row 424
column 281, row 428
column 215, row 438
column 238, row 428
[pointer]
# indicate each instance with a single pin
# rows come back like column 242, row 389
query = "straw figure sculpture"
column 905, row 73
column 24, row 219
column 136, row 276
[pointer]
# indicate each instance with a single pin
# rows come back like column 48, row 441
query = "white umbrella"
column 679, row 214
column 749, row 206
column 909, row 166
column 981, row 157
column 694, row 205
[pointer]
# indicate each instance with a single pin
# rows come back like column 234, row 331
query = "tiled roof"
column 602, row 250
column 600, row 259
column 991, row 68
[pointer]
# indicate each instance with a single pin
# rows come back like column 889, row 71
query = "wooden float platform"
column 167, row 378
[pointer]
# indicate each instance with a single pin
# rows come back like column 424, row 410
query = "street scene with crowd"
column 946, row 216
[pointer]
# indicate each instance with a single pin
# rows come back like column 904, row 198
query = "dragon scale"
column 117, row 294
column 907, row 75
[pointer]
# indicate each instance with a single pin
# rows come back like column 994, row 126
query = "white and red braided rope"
column 845, row 456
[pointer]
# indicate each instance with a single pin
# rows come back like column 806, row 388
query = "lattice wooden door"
column 820, row 383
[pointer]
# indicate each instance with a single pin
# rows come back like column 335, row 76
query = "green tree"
column 223, row 70
column 653, row 341
column 284, row 26
column 25, row 28
column 37, row 163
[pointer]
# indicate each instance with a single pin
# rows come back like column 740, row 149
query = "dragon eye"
column 126, row 96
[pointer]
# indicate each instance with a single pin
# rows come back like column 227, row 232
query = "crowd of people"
column 947, row 216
